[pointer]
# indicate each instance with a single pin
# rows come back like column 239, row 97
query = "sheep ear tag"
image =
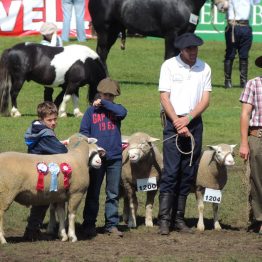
column 66, row 170
column 212, row 195
column 54, row 170
column 42, row 170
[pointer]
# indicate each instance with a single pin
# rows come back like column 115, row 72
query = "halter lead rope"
column 182, row 152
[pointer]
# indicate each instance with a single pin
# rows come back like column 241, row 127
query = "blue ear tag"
column 54, row 170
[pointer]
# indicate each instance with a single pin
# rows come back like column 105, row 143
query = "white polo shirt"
column 184, row 83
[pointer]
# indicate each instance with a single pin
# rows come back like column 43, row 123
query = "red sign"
column 25, row 17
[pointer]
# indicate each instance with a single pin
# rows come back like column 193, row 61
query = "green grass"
column 137, row 69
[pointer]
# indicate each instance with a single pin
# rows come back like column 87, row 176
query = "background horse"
column 69, row 67
column 158, row 18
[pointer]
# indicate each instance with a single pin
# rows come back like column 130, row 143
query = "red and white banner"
column 25, row 17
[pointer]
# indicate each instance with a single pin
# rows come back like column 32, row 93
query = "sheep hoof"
column 64, row 238
column 218, row 227
column 131, row 225
column 149, row 223
column 78, row 113
column 201, row 228
column 73, row 239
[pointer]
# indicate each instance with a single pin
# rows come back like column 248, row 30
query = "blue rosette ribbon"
column 54, row 170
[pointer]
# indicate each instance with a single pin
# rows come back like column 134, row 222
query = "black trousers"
column 178, row 176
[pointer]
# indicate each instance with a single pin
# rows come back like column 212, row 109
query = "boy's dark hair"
column 45, row 109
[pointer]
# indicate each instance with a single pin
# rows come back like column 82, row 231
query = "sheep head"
column 224, row 154
column 139, row 146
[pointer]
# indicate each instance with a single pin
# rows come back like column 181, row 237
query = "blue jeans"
column 112, row 169
column 79, row 6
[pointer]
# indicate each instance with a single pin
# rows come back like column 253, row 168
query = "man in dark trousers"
column 185, row 86
column 238, row 35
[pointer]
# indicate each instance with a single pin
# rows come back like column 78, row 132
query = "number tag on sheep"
column 146, row 184
column 212, row 195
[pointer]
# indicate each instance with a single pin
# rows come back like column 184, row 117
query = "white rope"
column 182, row 152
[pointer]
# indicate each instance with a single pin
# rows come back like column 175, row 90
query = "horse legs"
column 150, row 196
column 59, row 98
column 200, row 206
column 62, row 108
column 15, row 89
column 77, row 112
column 48, row 94
column 170, row 50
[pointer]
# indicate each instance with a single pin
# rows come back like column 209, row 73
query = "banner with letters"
column 24, row 17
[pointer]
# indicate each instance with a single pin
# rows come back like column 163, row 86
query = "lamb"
column 18, row 180
column 212, row 173
column 141, row 159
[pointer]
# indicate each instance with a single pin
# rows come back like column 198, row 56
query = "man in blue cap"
column 185, row 86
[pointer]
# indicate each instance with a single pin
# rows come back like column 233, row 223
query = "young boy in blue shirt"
column 40, row 139
column 102, row 121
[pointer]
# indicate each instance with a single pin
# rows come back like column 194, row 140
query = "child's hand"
column 97, row 102
column 65, row 142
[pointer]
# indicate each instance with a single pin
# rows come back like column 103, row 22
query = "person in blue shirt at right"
column 102, row 121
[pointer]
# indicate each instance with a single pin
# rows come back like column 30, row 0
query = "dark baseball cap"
column 258, row 62
column 187, row 39
column 109, row 86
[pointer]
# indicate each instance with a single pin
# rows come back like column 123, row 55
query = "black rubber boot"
column 228, row 71
column 180, row 224
column 243, row 68
column 164, row 216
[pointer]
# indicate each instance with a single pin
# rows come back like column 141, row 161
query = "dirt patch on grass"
column 140, row 244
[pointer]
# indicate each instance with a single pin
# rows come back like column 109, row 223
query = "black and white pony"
column 69, row 67
column 160, row 18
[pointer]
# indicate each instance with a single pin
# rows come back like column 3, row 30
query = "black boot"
column 228, row 71
column 165, row 207
column 180, row 224
column 243, row 68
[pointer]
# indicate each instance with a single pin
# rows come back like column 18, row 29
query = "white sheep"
column 141, row 159
column 18, row 180
column 212, row 173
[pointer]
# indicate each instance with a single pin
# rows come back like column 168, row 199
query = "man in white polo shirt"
column 185, row 86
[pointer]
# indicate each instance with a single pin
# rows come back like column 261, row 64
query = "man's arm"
column 197, row 111
column 244, row 125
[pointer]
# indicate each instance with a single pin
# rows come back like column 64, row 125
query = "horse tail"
column 5, row 82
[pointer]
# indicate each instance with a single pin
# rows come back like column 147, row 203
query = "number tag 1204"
column 212, row 195
column 146, row 184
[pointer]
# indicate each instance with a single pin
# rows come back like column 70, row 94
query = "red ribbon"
column 66, row 170
column 124, row 146
column 42, row 170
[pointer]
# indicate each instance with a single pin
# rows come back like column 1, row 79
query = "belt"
column 255, row 131
column 238, row 22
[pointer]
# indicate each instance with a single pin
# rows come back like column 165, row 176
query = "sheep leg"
column 133, row 204
column 52, row 219
column 61, row 217
column 200, row 207
column 215, row 212
column 73, row 204
column 149, row 208
column 126, row 210
column 2, row 238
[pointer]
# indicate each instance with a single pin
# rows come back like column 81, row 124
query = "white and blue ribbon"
column 54, row 170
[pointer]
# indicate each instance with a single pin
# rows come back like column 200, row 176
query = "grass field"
column 137, row 69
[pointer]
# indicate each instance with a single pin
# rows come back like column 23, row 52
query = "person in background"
column 251, row 148
column 238, row 35
column 40, row 139
column 185, row 86
column 102, row 121
column 49, row 32
column 79, row 7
